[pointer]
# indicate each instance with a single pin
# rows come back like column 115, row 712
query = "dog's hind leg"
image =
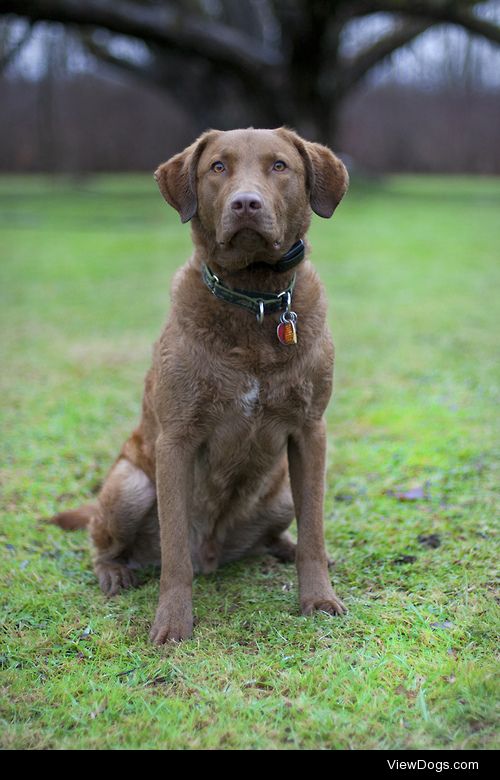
column 282, row 547
column 125, row 499
column 263, row 532
column 278, row 517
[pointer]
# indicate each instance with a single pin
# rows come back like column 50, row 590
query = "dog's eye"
column 218, row 167
column 279, row 165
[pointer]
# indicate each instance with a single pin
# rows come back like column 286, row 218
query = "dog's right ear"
column 176, row 178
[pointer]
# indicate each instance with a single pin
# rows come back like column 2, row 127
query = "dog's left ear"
column 329, row 179
column 176, row 178
column 326, row 175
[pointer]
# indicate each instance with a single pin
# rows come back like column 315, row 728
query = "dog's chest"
column 274, row 396
column 242, row 454
column 248, row 400
column 254, row 423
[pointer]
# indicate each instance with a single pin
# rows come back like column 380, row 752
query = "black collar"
column 259, row 303
column 290, row 259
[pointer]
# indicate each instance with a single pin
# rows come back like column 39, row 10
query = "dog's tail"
column 73, row 519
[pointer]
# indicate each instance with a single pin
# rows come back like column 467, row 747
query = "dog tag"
column 286, row 330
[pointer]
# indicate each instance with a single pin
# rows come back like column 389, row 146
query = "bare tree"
column 12, row 41
column 265, row 61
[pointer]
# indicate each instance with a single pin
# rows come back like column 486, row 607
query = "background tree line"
column 101, row 85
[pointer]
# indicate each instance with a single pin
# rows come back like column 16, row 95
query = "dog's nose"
column 246, row 203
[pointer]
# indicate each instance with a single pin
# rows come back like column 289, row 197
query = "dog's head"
column 251, row 192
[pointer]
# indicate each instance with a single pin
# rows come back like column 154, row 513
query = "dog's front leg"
column 306, row 457
column 174, row 485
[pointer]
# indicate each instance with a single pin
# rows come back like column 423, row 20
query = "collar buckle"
column 288, row 294
column 213, row 281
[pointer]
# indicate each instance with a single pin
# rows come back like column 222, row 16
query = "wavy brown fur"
column 231, row 443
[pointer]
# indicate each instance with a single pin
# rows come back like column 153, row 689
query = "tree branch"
column 194, row 86
column 161, row 25
column 477, row 25
column 162, row 69
column 460, row 12
column 145, row 71
column 7, row 56
column 351, row 70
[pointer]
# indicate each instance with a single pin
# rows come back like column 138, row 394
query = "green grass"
column 411, row 267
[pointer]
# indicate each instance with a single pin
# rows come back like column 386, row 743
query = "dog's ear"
column 328, row 179
column 176, row 178
column 326, row 176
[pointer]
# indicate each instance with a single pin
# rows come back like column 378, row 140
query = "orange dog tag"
column 286, row 330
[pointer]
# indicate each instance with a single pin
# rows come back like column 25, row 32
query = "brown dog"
column 231, row 444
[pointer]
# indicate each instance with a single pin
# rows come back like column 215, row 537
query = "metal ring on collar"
column 288, row 299
column 260, row 314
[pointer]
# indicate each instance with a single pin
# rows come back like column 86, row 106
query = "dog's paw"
column 114, row 577
column 172, row 624
column 283, row 548
column 330, row 604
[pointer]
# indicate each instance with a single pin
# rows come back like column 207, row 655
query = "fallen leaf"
column 127, row 672
column 347, row 497
column 477, row 725
column 259, row 685
column 403, row 559
column 430, row 540
column 159, row 680
column 445, row 624
column 402, row 691
column 413, row 494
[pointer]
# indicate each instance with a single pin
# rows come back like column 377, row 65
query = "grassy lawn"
column 411, row 267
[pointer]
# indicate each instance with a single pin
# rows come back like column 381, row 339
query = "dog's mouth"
column 249, row 239
column 247, row 246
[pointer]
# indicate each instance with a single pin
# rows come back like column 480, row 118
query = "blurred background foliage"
column 396, row 85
